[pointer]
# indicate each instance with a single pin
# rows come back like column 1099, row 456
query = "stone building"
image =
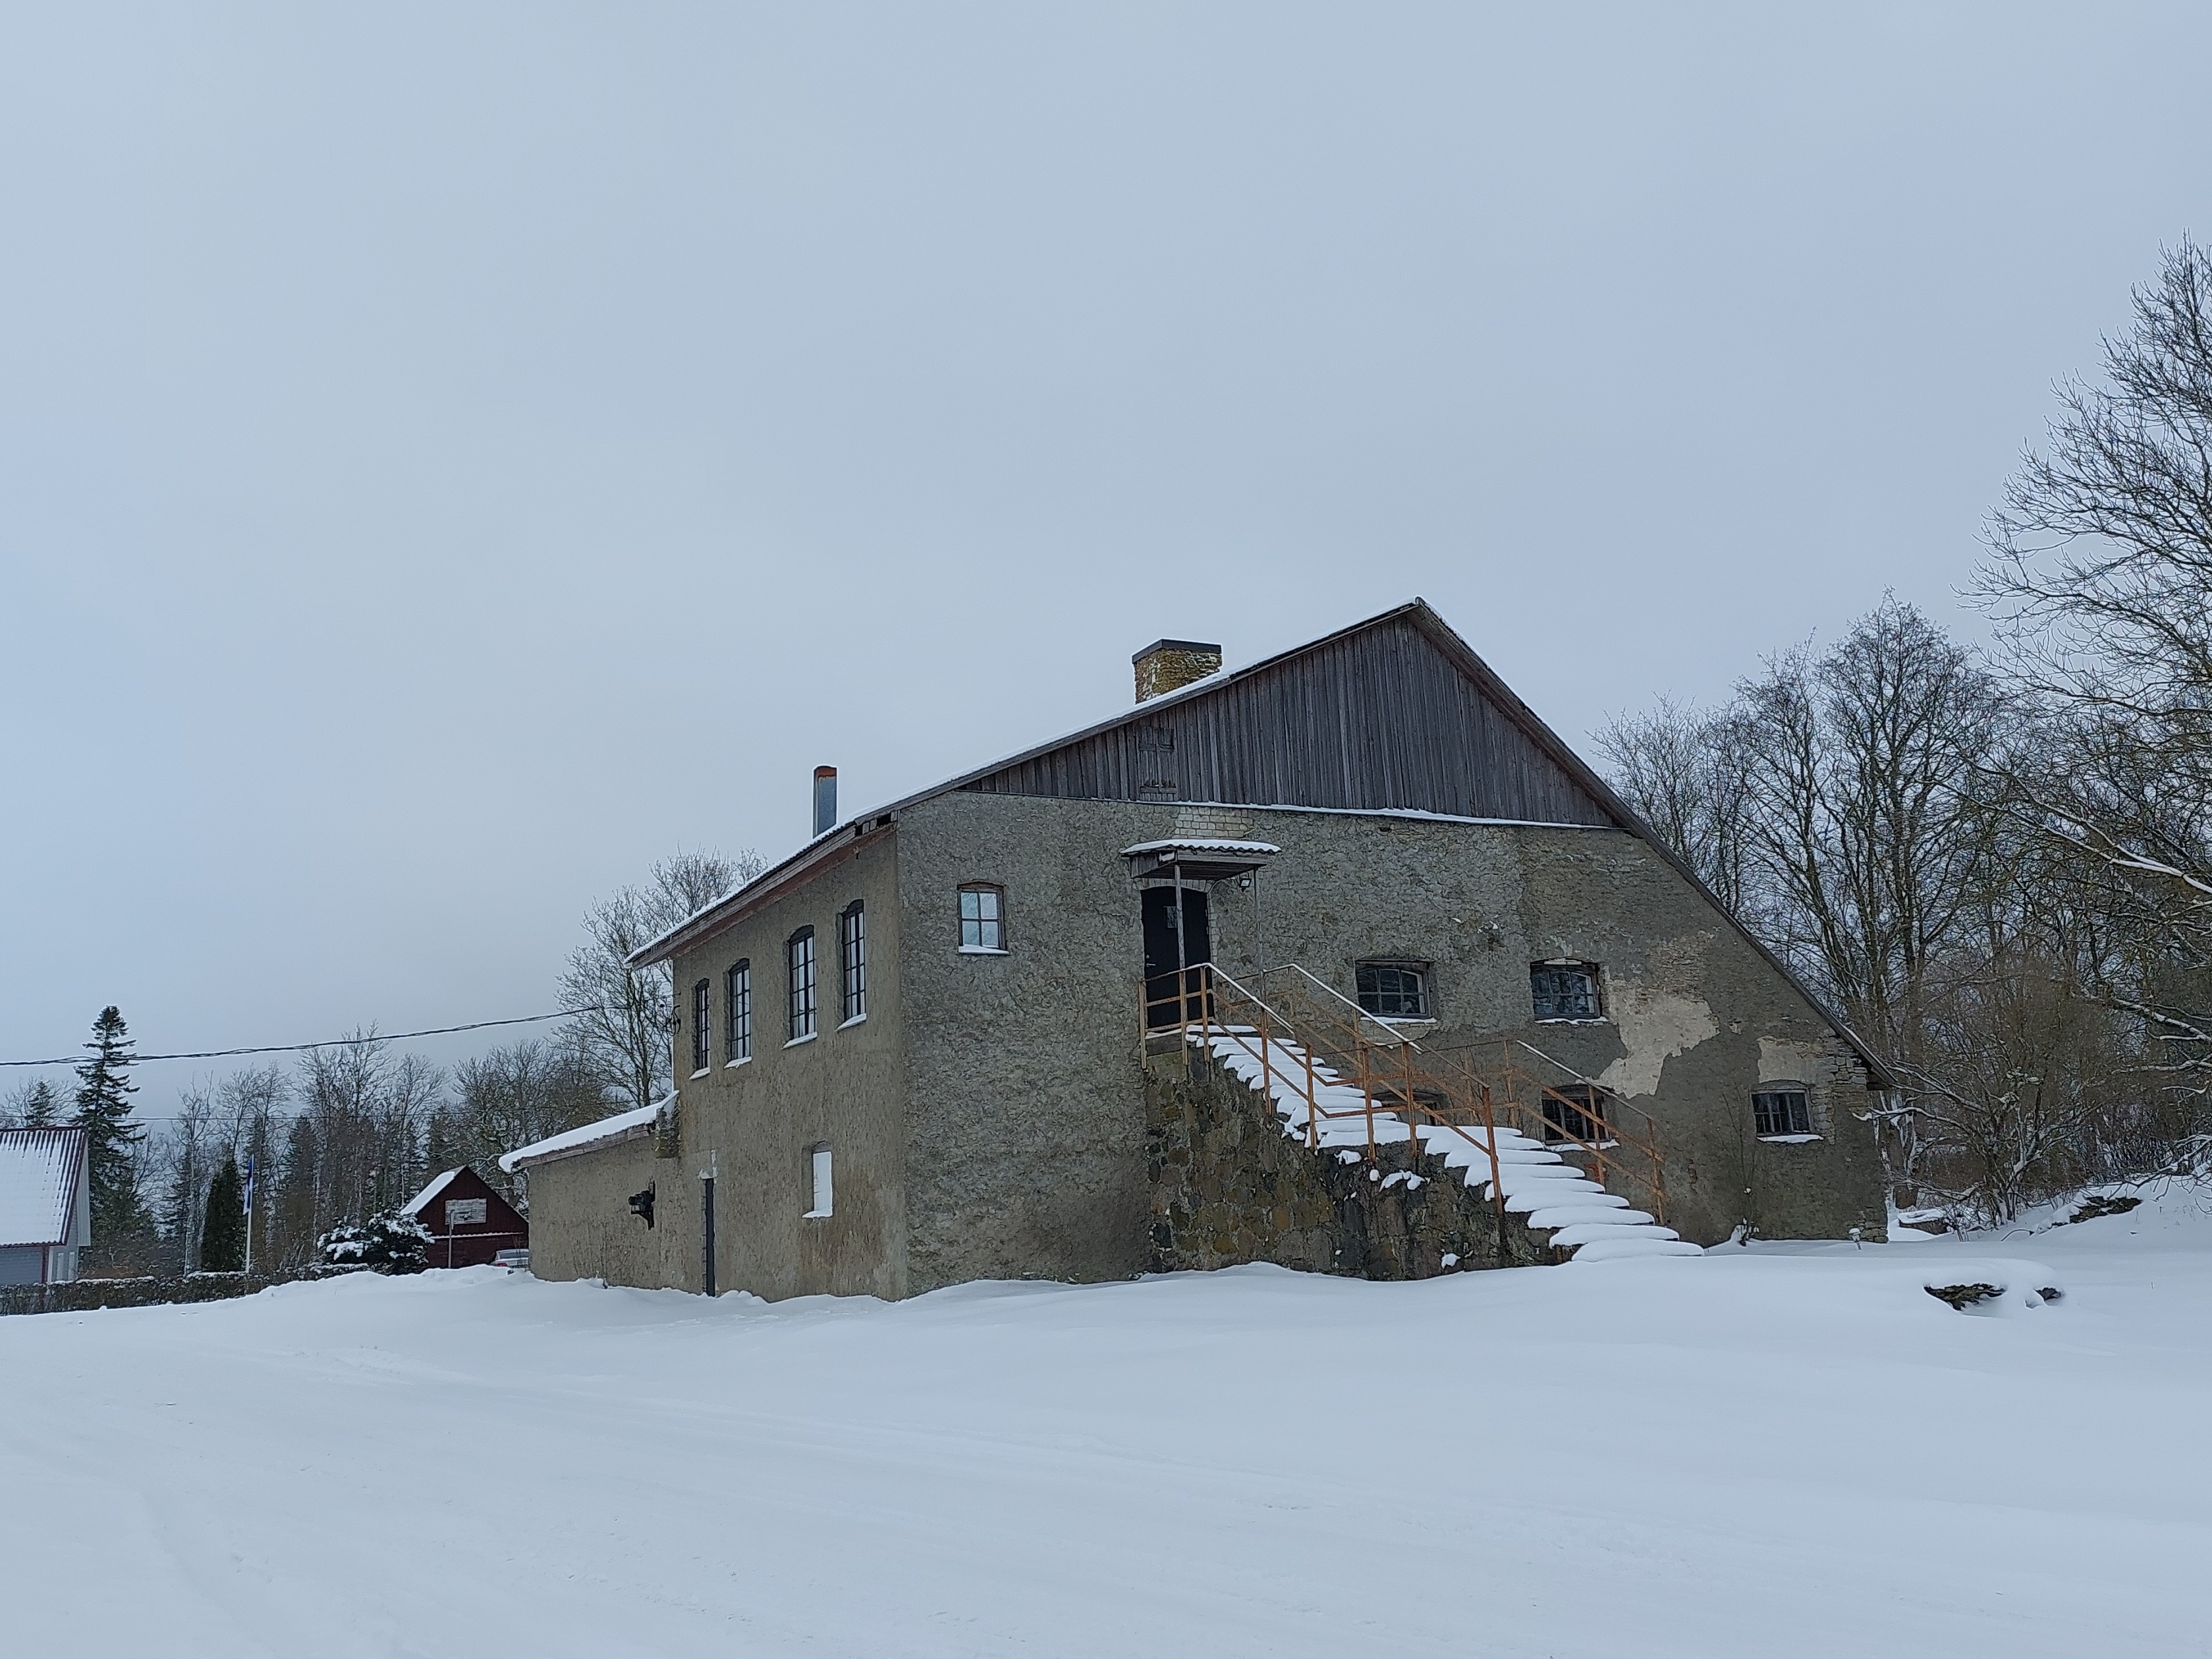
column 1286, row 963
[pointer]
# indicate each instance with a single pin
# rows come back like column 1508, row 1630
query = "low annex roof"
column 621, row 1126
column 39, row 1170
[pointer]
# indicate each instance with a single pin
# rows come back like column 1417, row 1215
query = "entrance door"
column 1160, row 924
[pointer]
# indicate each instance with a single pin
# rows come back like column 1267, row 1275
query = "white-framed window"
column 798, row 964
column 820, row 1182
column 701, row 1026
column 853, row 962
column 1782, row 1108
column 1566, row 990
column 738, row 1012
column 982, row 918
column 1393, row 990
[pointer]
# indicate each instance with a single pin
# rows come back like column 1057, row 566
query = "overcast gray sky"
column 452, row 454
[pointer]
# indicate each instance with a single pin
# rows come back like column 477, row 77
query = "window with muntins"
column 1785, row 1111
column 820, row 1185
column 799, row 951
column 1576, row 1112
column 982, row 918
column 1395, row 990
column 853, row 962
column 701, row 1015
column 738, row 1010
column 1566, row 990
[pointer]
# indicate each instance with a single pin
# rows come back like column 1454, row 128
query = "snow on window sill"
column 984, row 950
column 857, row 1019
column 704, row 1071
column 817, row 1215
column 1593, row 1019
column 796, row 1041
column 1792, row 1140
column 742, row 1060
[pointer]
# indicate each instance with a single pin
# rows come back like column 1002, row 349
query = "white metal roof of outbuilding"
column 39, row 1170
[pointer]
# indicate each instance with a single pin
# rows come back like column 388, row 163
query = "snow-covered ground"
column 1757, row 1452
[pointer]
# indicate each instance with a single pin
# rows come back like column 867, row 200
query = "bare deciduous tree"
column 2102, row 574
column 510, row 1097
column 366, row 1109
column 1681, row 771
column 625, row 1013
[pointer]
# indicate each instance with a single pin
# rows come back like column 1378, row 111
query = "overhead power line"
column 333, row 1043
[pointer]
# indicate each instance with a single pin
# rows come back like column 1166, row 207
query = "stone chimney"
column 1167, row 665
column 826, row 799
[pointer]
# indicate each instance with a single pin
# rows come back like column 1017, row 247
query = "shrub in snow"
column 2102, row 1204
column 1963, row 1297
column 390, row 1244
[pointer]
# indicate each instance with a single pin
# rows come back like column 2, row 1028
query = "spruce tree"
column 41, row 1106
column 222, row 1234
column 103, row 1109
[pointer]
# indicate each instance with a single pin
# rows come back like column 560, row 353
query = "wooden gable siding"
column 1377, row 717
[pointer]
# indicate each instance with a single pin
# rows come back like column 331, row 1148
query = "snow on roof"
column 1185, row 844
column 38, row 1173
column 587, row 1134
column 438, row 1183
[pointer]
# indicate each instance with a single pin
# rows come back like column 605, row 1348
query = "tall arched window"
column 799, row 953
column 853, row 962
column 702, row 1017
column 737, row 1012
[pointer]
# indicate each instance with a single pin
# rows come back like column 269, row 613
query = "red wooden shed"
column 468, row 1222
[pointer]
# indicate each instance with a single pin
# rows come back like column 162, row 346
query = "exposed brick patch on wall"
column 1229, row 1187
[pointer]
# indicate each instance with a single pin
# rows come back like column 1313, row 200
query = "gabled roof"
column 39, row 1171
column 1585, row 797
column 438, row 1184
column 1602, row 806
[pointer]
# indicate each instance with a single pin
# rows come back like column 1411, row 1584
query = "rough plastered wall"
column 1696, row 1022
column 581, row 1227
column 757, row 1122
column 1025, row 1109
column 1025, row 1116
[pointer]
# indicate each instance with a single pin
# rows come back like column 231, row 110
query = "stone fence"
column 83, row 1295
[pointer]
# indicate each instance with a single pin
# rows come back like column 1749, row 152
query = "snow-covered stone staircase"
column 1583, row 1217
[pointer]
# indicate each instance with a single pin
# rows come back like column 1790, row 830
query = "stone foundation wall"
column 1229, row 1187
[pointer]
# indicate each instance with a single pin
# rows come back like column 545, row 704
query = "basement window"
column 820, row 1183
column 1575, row 1112
column 701, row 1027
column 983, row 919
column 1566, row 990
column 1395, row 990
column 1783, row 1112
